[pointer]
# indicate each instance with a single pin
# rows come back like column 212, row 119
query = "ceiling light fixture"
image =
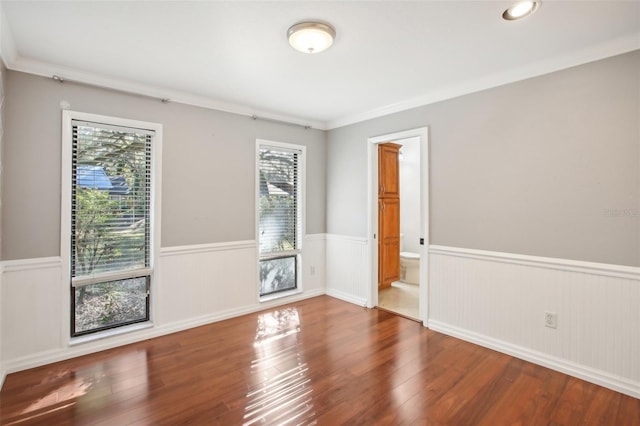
column 311, row 37
column 520, row 10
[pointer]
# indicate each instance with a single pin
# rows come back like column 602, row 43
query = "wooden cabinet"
column 388, row 170
column 388, row 214
column 389, row 243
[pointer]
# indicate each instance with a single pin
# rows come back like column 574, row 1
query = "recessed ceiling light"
column 520, row 10
column 311, row 37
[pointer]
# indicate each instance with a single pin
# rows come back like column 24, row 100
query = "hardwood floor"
column 319, row 361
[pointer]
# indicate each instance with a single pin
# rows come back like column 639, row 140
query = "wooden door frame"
column 372, row 217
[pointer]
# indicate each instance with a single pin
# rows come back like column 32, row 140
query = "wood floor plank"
column 318, row 361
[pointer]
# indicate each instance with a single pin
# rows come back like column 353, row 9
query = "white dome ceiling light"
column 520, row 10
column 311, row 37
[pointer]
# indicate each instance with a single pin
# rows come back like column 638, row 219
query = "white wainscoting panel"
column 31, row 307
column 197, row 281
column 193, row 285
column 499, row 300
column 347, row 268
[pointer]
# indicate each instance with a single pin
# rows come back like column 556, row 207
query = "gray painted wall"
column 548, row 166
column 208, row 166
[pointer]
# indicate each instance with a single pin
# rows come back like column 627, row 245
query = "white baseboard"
column 619, row 384
column 56, row 355
column 233, row 313
column 346, row 297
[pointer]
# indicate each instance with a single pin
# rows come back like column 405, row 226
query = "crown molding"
column 579, row 57
column 12, row 61
column 44, row 69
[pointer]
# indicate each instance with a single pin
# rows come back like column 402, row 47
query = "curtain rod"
column 273, row 120
column 60, row 79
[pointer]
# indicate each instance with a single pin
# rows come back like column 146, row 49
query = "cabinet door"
column 389, row 182
column 389, row 242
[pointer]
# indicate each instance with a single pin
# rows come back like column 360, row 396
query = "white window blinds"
column 279, row 212
column 110, row 203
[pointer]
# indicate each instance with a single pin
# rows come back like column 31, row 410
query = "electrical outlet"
column 551, row 319
column 312, row 270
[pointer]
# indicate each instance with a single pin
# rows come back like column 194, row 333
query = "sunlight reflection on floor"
column 282, row 393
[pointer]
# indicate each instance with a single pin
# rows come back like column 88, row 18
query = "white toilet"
column 410, row 267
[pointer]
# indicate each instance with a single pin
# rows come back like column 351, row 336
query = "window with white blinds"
column 110, row 225
column 279, row 212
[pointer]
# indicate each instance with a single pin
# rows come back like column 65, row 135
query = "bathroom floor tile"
column 401, row 298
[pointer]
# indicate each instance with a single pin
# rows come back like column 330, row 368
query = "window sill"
column 280, row 295
column 74, row 341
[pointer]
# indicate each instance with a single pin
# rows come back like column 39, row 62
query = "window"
column 111, row 224
column 279, row 216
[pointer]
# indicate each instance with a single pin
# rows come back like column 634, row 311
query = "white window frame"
column 65, row 219
column 302, row 190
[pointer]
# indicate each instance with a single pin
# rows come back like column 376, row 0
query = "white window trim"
column 302, row 170
column 65, row 215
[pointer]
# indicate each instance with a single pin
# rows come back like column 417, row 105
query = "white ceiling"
column 234, row 56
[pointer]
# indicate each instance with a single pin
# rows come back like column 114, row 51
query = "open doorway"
column 408, row 294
